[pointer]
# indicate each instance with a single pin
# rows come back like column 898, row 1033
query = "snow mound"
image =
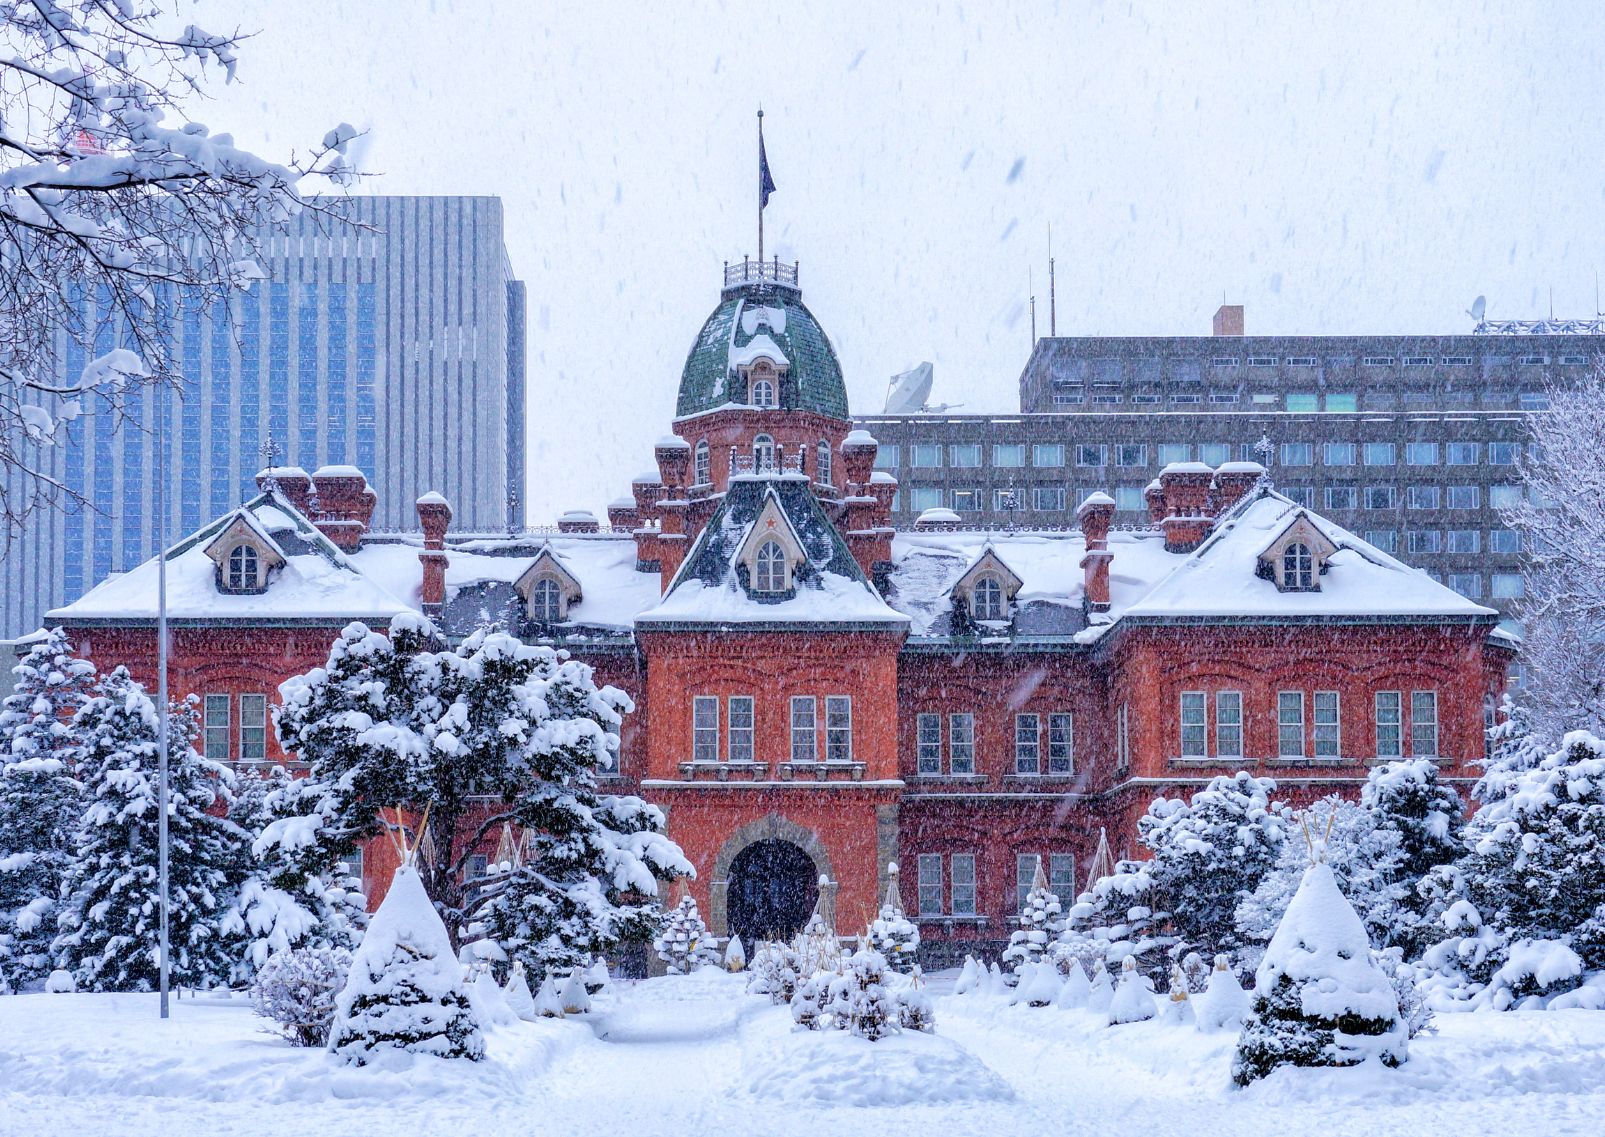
column 832, row 1068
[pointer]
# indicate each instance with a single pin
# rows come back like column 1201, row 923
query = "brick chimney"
column 1095, row 515
column 622, row 513
column 342, row 505
column 1229, row 320
column 858, row 457
column 1154, row 497
column 1232, row 481
column 674, row 460
column 294, row 483
column 578, row 521
column 1188, row 516
column 434, row 515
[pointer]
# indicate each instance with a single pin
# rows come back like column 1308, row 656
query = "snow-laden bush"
column 682, row 941
column 892, row 933
column 774, row 972
column 1039, row 922
column 295, row 990
column 914, row 1008
column 1132, row 1001
column 735, row 956
column 1319, row 999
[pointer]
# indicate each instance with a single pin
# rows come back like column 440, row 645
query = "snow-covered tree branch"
column 116, row 207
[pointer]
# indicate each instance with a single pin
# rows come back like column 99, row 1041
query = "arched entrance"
column 773, row 888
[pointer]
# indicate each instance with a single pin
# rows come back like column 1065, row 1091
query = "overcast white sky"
column 1354, row 168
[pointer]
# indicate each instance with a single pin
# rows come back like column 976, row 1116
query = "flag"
column 766, row 184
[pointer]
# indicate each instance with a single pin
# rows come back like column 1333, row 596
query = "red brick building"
column 818, row 695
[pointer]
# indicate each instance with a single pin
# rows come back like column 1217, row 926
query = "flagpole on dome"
column 766, row 186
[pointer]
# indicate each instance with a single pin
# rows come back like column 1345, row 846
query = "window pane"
column 741, row 728
column 964, row 455
column 1025, row 871
column 1503, row 453
column 1339, row 454
column 1385, row 539
column 1503, row 541
column 1131, row 454
column 921, row 498
column 1507, row 586
column 1380, row 497
column 930, row 884
column 1504, row 497
column 1290, row 724
column 1129, row 498
column 1302, row 401
column 1423, row 724
column 253, row 728
column 1008, row 454
column 1174, row 452
column 1027, row 758
column 886, row 456
column 1379, row 454
column 1298, row 453
column 1047, row 454
column 1389, row 722
column 804, row 745
column 1193, row 726
column 1342, row 497
column 963, row 868
column 1215, row 453
column 925, row 455
column 1462, row 453
column 1328, row 739
column 1062, row 878
column 1061, row 744
column 1228, row 724
column 961, row 743
column 1090, row 455
column 929, row 747
column 1340, row 403
column 1424, row 497
column 1048, row 498
column 838, row 728
column 705, row 728
column 216, row 727
column 1421, row 453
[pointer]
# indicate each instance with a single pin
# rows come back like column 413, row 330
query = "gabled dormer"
column 987, row 589
column 547, row 588
column 771, row 554
column 1295, row 560
column 245, row 555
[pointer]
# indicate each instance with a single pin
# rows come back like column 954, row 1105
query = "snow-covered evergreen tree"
column 291, row 895
column 914, row 1008
column 871, row 1008
column 892, row 933
column 38, row 800
column 1319, row 1000
column 682, row 941
column 405, row 991
column 109, row 928
column 1407, row 798
column 1523, row 912
column 1039, row 922
column 1366, row 859
column 774, row 972
column 807, row 1004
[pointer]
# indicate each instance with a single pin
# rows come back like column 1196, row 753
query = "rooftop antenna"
column 1478, row 309
column 1032, row 288
column 1053, row 303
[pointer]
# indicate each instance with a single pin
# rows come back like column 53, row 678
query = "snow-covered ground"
column 695, row 1054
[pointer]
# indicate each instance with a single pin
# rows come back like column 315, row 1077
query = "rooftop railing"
column 754, row 272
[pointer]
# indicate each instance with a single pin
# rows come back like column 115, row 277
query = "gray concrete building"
column 394, row 344
column 1409, row 441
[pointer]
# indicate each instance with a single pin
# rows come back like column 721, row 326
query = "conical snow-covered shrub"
column 682, row 942
column 914, row 1008
column 1102, row 991
column 1178, row 1005
column 893, row 934
column 518, row 995
column 1043, row 987
column 872, row 1009
column 548, row 1005
column 405, row 992
column 1319, row 1000
column 1039, row 922
column 735, row 956
column 576, row 1000
column 1224, row 1004
column 596, row 976
column 807, row 1005
column 1076, row 987
column 490, row 1005
column 1132, row 1002
column 969, row 977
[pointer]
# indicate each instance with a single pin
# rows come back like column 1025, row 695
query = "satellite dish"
column 1478, row 307
column 907, row 392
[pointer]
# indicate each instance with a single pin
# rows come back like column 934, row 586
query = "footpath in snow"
column 695, row 1053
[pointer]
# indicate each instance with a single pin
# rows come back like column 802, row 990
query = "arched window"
column 763, row 393
column 546, row 602
column 763, row 454
column 987, row 597
column 822, row 474
column 769, row 568
column 1298, row 567
column 244, row 569
column 704, row 468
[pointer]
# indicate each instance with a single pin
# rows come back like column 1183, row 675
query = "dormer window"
column 763, row 453
column 1298, row 567
column 769, row 569
column 244, row 572
column 763, row 393
column 822, row 472
column 546, row 602
column 704, row 464
column 987, row 598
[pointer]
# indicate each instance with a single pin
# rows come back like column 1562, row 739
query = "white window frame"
column 961, row 875
column 1062, row 878
column 769, row 567
column 928, row 745
column 838, row 728
column 253, row 728
column 763, row 393
column 1061, row 744
column 1328, row 724
column 929, row 883
column 703, row 463
column 1389, row 710
column 1123, row 737
column 763, row 453
column 546, row 600
column 1194, row 724
column 1285, row 724
column 988, row 600
column 705, row 728
column 1028, row 744
column 215, row 734
column 804, row 728
column 1228, row 724
column 1424, row 741
column 822, row 470
column 1025, row 872
column 961, row 743
column 741, row 738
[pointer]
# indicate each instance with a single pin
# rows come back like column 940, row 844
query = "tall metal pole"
column 161, row 682
column 760, row 191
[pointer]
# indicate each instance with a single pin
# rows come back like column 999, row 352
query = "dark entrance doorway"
column 773, row 888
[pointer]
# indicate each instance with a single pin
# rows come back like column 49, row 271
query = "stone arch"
column 772, row 827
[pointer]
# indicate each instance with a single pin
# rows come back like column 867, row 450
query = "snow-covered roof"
column 758, row 347
column 316, row 583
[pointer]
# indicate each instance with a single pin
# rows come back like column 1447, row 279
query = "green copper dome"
column 762, row 318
